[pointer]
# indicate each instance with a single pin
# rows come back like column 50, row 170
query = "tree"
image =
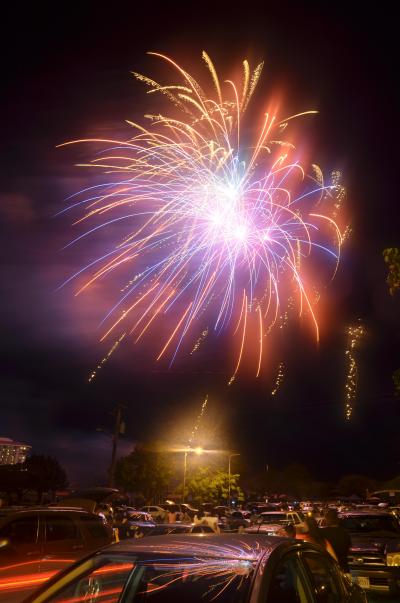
column 144, row 472
column 210, row 485
column 293, row 480
column 13, row 482
column 356, row 485
column 44, row 474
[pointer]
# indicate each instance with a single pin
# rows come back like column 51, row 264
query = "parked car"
column 233, row 521
column 104, row 509
column 281, row 517
column 220, row 510
column 130, row 522
column 183, row 511
column 157, row 512
column 201, row 569
column 269, row 529
column 179, row 528
column 374, row 558
column 38, row 542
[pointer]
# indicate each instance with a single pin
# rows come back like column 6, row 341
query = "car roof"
column 369, row 513
column 75, row 510
column 276, row 512
column 227, row 546
column 177, row 524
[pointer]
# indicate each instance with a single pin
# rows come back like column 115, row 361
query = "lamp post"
column 229, row 476
column 198, row 451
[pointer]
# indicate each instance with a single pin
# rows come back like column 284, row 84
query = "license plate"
column 362, row 581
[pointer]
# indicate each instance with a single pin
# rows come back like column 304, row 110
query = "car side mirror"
column 4, row 543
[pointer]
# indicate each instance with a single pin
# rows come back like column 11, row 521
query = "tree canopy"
column 144, row 472
column 212, row 485
column 39, row 473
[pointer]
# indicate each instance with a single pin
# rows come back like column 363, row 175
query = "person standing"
column 312, row 533
column 171, row 516
column 338, row 537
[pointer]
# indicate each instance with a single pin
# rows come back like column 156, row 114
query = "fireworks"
column 279, row 378
column 110, row 352
column 198, row 421
column 199, row 341
column 214, row 233
column 354, row 335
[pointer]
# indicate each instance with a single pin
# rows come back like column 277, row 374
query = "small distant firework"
column 214, row 234
column 279, row 378
column 339, row 194
column 198, row 420
column 111, row 351
column 355, row 333
column 199, row 341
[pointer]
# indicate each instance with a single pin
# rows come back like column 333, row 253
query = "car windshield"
column 365, row 524
column 157, row 579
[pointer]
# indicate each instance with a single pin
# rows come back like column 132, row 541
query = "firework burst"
column 355, row 333
column 216, row 233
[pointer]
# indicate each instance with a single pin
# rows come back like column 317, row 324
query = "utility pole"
column 118, row 429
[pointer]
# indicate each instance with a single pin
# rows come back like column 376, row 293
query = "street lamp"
column 198, row 450
column 229, row 476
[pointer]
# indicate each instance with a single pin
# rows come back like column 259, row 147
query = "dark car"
column 131, row 523
column 36, row 543
column 180, row 509
column 234, row 521
column 374, row 558
column 280, row 517
column 201, row 569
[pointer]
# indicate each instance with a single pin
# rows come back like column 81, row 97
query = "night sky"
column 65, row 75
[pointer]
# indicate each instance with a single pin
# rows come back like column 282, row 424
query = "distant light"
column 198, row 450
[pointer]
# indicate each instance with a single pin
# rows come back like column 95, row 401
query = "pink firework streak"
column 216, row 234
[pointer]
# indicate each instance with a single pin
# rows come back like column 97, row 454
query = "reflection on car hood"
column 235, row 546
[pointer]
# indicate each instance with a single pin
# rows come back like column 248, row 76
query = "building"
column 12, row 452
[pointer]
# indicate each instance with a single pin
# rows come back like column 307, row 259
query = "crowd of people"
column 328, row 534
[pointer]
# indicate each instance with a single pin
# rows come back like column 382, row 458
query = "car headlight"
column 393, row 559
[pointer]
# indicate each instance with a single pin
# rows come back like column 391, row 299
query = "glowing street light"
column 198, row 450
